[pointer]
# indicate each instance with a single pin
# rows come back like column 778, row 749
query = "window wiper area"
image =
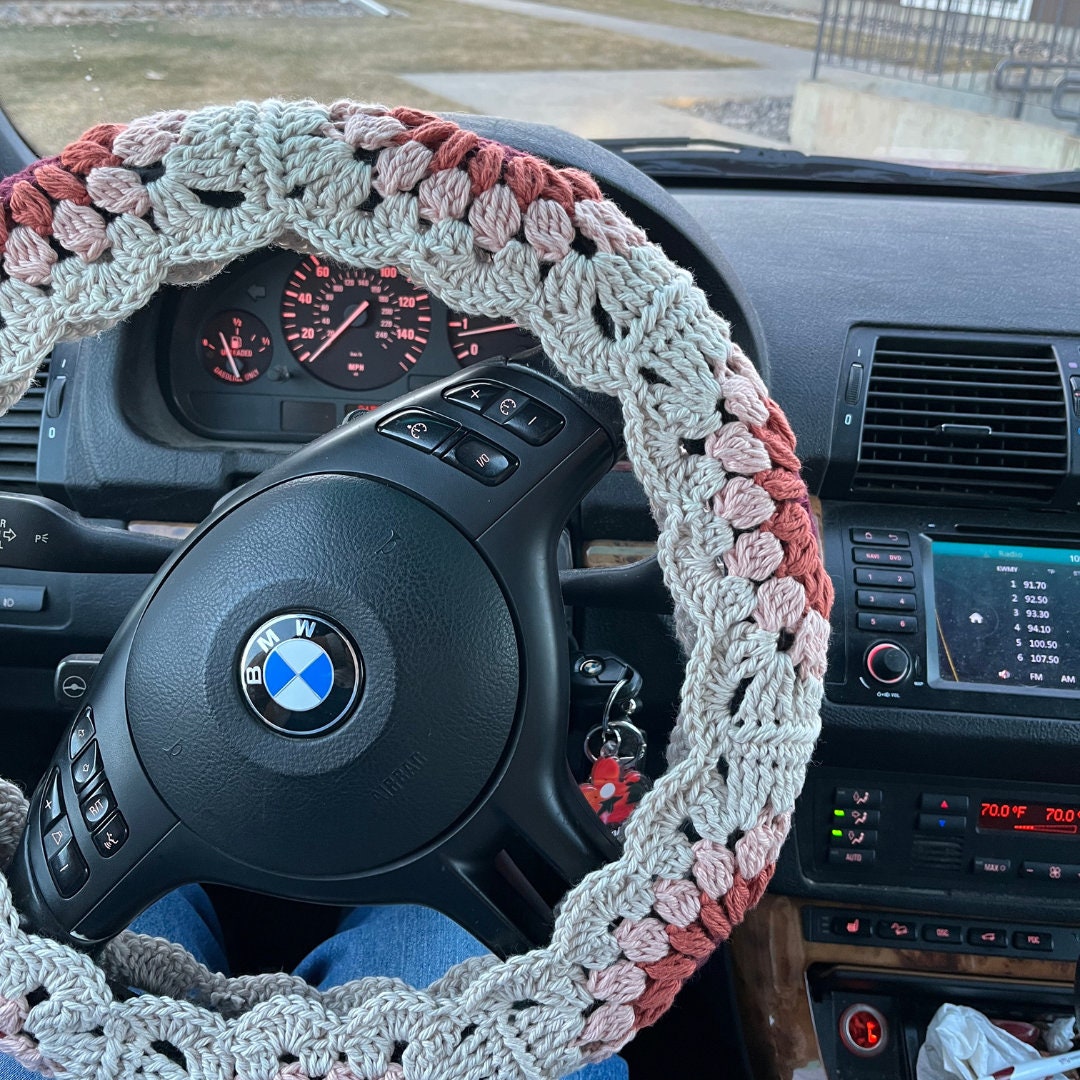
column 691, row 161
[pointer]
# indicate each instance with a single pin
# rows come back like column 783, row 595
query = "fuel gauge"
column 235, row 346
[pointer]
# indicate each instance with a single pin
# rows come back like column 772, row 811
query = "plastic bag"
column 962, row 1044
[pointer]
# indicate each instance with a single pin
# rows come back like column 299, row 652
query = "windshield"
column 972, row 84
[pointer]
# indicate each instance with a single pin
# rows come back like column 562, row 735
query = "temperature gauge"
column 236, row 347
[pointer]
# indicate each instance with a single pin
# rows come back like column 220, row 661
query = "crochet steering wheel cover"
column 88, row 237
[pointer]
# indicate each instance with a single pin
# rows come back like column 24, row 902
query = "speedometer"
column 354, row 329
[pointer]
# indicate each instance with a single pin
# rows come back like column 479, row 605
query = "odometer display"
column 1062, row 819
column 352, row 328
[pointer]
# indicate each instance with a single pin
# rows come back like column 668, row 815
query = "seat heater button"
column 82, row 731
column 86, row 767
column 855, row 926
column 1033, row 940
column 535, row 423
column 56, row 837
column 97, row 807
column 988, row 939
column 474, row 396
column 68, row 870
column 110, row 838
column 52, row 801
column 481, row 459
column 418, row 428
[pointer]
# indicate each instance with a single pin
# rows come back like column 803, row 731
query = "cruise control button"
column 52, row 801
column 481, row 459
column 418, row 428
column 942, row 823
column 68, row 870
column 110, row 838
column 82, row 731
column 942, row 933
column 1033, row 940
column 503, row 406
column 983, row 864
column 860, row 798
column 880, row 557
column 895, row 930
column 535, row 423
column 850, row 857
column 893, row 579
column 56, row 837
column 87, row 766
column 97, row 806
column 987, row 939
column 475, row 396
column 855, row 926
column 885, row 601
column 881, row 537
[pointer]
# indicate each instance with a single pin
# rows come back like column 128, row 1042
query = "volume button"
column 887, row 662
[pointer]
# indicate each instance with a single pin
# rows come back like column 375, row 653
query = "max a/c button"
column 482, row 460
column 993, row 867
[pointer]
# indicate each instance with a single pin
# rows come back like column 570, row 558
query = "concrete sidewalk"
column 618, row 104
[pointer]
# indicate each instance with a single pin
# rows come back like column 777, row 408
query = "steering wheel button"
column 69, row 870
column 82, row 731
column 505, row 405
column 535, row 423
column 52, row 801
column 481, row 459
column 474, row 396
column 86, row 767
column 98, row 806
column 56, row 837
column 110, row 838
column 418, row 428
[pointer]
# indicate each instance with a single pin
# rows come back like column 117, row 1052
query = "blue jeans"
column 412, row 943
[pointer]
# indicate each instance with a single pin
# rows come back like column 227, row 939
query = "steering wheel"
column 350, row 683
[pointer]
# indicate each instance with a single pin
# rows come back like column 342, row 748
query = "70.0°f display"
column 1004, row 616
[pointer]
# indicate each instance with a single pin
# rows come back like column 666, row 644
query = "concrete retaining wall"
column 872, row 121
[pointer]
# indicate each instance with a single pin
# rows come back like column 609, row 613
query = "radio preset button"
column 883, row 623
column 881, row 537
column 892, row 579
column 881, row 557
column 887, row 601
column 887, row 663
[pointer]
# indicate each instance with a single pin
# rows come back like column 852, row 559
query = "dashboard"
column 282, row 347
column 924, row 346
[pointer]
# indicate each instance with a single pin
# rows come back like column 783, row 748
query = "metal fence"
column 1025, row 51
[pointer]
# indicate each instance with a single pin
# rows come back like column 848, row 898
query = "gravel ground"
column 768, row 117
column 81, row 12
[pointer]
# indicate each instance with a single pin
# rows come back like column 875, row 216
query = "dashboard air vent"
column 968, row 418
column 19, row 430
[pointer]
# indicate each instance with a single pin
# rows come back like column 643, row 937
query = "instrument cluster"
column 282, row 346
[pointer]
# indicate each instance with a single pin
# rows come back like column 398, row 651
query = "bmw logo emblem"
column 301, row 674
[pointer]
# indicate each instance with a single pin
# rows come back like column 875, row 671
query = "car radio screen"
column 1004, row 616
column 1062, row 819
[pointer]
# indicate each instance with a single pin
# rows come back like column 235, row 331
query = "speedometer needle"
column 228, row 352
column 489, row 329
column 338, row 332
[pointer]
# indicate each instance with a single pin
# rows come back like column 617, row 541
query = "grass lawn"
column 57, row 81
column 777, row 30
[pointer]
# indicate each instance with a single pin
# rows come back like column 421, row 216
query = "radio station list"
column 1005, row 615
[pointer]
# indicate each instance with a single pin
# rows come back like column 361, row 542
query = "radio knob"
column 887, row 662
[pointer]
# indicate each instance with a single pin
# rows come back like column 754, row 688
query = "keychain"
column 616, row 748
